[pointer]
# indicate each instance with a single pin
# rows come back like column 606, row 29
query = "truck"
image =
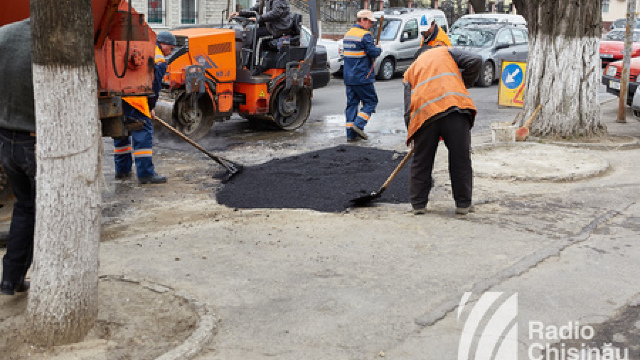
column 124, row 48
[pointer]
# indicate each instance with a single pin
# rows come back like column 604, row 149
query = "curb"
column 601, row 166
column 205, row 328
column 632, row 143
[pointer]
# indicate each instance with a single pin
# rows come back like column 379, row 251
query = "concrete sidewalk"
column 556, row 227
column 373, row 282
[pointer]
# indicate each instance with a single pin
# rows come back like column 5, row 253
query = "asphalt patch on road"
column 323, row 180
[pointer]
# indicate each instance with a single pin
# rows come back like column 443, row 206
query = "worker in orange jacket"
column 432, row 33
column 141, row 109
column 438, row 105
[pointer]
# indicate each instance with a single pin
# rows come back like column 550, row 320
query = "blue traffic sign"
column 512, row 76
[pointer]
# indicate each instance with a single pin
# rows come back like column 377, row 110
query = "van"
column 490, row 18
column 438, row 15
column 399, row 40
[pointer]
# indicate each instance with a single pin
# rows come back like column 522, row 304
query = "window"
column 504, row 38
column 189, row 12
column 605, row 6
column 520, row 36
column 155, row 14
column 410, row 31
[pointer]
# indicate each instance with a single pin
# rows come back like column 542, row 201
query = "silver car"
column 495, row 43
column 399, row 41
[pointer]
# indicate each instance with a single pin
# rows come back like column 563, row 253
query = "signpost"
column 512, row 83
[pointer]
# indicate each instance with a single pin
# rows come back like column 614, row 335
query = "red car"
column 612, row 46
column 611, row 78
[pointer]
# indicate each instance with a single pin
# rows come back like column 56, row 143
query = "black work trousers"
column 455, row 130
column 19, row 161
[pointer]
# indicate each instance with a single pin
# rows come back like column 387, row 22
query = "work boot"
column 155, row 179
column 10, row 288
column 123, row 176
column 360, row 132
column 420, row 211
column 465, row 210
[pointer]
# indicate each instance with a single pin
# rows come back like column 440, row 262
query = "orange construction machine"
column 124, row 52
column 212, row 75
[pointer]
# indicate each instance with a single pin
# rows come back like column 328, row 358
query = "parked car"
column 334, row 58
column 622, row 23
column 399, row 40
column 490, row 18
column 612, row 45
column 438, row 15
column 495, row 43
column 611, row 78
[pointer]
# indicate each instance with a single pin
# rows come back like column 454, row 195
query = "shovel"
column 364, row 200
column 232, row 168
column 523, row 132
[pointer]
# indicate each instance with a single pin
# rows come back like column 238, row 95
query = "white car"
column 334, row 58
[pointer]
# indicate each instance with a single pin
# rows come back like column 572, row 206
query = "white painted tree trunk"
column 563, row 68
column 63, row 300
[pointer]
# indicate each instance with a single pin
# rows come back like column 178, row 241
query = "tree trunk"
column 563, row 68
column 479, row 6
column 63, row 302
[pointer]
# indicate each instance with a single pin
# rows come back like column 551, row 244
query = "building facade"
column 615, row 9
column 167, row 14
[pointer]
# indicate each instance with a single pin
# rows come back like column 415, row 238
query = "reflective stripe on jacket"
column 438, row 38
column 359, row 55
column 434, row 84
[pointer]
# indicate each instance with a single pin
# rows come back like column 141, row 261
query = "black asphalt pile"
column 323, row 180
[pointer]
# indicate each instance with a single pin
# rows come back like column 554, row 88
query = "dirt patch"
column 134, row 323
column 322, row 180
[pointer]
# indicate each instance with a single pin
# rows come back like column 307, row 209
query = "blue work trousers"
column 19, row 161
column 359, row 117
column 124, row 155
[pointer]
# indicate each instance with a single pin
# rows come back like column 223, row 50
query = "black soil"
column 323, row 180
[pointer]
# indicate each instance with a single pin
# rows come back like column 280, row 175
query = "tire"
column 486, row 75
column 195, row 123
column 387, row 69
column 290, row 115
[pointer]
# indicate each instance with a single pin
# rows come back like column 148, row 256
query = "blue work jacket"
column 359, row 56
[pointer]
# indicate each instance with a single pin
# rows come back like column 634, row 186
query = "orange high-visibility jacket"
column 440, row 39
column 436, row 85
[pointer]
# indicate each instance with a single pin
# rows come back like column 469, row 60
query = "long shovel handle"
column 185, row 138
column 397, row 170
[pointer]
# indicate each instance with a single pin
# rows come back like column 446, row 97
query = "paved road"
column 330, row 101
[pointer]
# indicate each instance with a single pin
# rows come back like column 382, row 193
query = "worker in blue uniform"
column 141, row 108
column 359, row 56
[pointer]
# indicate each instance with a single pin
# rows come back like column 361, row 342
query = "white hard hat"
column 425, row 23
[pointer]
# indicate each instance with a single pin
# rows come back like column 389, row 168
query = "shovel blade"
column 231, row 170
column 365, row 200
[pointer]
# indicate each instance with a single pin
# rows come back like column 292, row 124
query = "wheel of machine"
column 193, row 121
column 486, row 76
column 387, row 69
column 290, row 114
